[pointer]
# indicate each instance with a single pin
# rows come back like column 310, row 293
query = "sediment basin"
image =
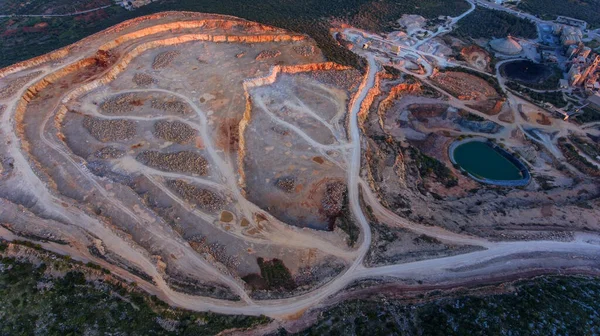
column 488, row 163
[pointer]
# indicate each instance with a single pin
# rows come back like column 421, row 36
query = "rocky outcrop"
column 368, row 101
column 187, row 20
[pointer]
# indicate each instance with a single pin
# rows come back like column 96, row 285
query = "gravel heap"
column 170, row 106
column 182, row 162
column 109, row 153
column 15, row 85
column 120, row 104
column 205, row 199
column 286, row 183
column 266, row 54
column 142, row 79
column 110, row 130
column 173, row 131
column 304, row 50
column 346, row 79
column 216, row 250
column 163, row 59
column 333, row 201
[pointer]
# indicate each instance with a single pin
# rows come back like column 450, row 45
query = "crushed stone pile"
column 333, row 200
column 204, row 198
column 109, row 152
column 164, row 59
column 182, row 162
column 173, row 131
column 110, row 130
column 120, row 104
column 142, row 79
column 287, row 183
column 266, row 54
column 170, row 106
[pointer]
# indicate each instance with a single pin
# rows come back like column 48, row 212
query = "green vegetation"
column 573, row 157
column 589, row 148
column 533, row 75
column 382, row 15
column 50, row 6
column 33, row 300
column 545, row 182
column 588, row 115
column 393, row 71
column 487, row 23
column 307, row 16
column 429, row 166
column 587, row 10
column 553, row 97
column 549, row 83
column 21, row 39
column 276, row 274
column 345, row 222
column 545, row 306
column 471, row 116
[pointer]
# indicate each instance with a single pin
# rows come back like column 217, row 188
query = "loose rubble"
column 332, row 202
column 173, row 131
column 183, row 162
column 109, row 153
column 120, row 104
column 12, row 87
column 266, row 54
column 163, row 59
column 142, row 79
column 204, row 198
column 215, row 250
column 287, row 183
column 170, row 106
column 110, row 130
column 304, row 50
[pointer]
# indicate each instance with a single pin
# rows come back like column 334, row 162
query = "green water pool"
column 483, row 161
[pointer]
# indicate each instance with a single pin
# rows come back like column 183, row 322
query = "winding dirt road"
column 496, row 257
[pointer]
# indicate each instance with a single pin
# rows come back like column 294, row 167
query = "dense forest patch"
column 21, row 40
column 587, row 10
column 35, row 301
column 487, row 23
column 545, row 306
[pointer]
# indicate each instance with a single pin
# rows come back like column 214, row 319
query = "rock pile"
column 182, row 162
column 110, row 130
column 173, row 131
column 266, row 54
column 109, row 153
column 346, row 79
column 170, row 106
column 287, row 183
column 142, row 79
column 120, row 104
column 216, row 250
column 333, row 200
column 205, row 199
column 12, row 87
column 163, row 59
column 304, row 50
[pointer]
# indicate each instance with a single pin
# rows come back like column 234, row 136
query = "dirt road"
column 498, row 257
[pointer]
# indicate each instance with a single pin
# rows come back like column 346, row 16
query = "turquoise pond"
column 483, row 161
